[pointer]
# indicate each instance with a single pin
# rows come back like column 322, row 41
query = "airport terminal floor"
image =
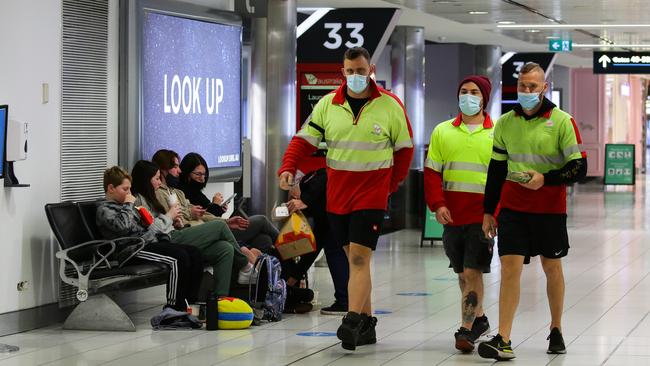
column 606, row 311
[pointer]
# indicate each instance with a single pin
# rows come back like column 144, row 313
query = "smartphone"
column 227, row 200
column 519, row 177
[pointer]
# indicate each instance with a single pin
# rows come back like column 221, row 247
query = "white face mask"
column 357, row 83
column 528, row 101
column 469, row 104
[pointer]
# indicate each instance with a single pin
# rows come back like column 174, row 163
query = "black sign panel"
column 339, row 29
column 510, row 75
column 621, row 62
column 510, row 69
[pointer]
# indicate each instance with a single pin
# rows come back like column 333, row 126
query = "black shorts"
column 360, row 227
column 467, row 247
column 529, row 234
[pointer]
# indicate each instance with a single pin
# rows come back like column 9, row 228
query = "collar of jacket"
column 339, row 96
column 487, row 123
column 544, row 111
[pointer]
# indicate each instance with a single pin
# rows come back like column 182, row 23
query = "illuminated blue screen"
column 191, row 89
column 3, row 137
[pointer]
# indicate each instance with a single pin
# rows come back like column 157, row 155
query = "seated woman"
column 118, row 217
column 256, row 232
column 214, row 239
column 167, row 162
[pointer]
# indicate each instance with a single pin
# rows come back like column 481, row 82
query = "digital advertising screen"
column 3, row 137
column 191, row 88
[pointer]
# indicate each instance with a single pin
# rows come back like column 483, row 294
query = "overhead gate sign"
column 621, row 62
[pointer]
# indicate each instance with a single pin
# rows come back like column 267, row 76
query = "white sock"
column 247, row 268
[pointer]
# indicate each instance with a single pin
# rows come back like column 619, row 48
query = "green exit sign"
column 560, row 45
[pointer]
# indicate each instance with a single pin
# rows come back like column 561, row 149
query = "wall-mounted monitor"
column 180, row 84
column 4, row 119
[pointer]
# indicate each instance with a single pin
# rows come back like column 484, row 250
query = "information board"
column 432, row 229
column 619, row 164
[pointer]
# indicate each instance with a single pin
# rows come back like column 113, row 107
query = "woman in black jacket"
column 256, row 232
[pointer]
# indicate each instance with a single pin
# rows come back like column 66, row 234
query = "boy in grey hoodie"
column 118, row 217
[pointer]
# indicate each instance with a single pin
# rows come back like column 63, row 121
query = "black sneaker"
column 480, row 327
column 368, row 334
column 496, row 348
column 464, row 340
column 335, row 309
column 350, row 330
column 556, row 342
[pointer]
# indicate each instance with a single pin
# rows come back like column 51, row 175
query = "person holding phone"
column 540, row 139
column 255, row 232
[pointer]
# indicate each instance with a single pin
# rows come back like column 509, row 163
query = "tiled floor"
column 606, row 318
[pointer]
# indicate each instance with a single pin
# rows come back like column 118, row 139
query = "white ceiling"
column 449, row 21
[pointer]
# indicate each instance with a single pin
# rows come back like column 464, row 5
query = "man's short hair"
column 354, row 52
column 115, row 175
column 531, row 67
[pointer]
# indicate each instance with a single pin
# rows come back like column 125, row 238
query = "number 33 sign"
column 332, row 32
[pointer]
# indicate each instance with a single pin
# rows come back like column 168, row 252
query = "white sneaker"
column 247, row 277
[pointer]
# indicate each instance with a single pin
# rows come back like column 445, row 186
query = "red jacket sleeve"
column 402, row 163
column 433, row 194
column 296, row 151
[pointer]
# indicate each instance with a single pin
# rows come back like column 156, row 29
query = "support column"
column 487, row 61
column 407, row 62
column 272, row 99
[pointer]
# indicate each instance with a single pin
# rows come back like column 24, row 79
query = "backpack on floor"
column 268, row 295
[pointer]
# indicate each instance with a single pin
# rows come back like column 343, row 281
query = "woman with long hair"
column 255, row 232
column 214, row 239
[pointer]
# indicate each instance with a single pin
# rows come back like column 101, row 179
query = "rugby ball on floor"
column 234, row 313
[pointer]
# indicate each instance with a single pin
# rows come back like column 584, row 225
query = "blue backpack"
column 268, row 295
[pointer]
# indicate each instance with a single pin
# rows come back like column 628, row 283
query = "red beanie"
column 483, row 83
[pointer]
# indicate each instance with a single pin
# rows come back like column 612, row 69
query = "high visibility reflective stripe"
column 359, row 167
column 407, row 144
column 472, row 167
column 572, row 150
column 309, row 138
column 358, row 145
column 463, row 187
column 536, row 159
column 428, row 163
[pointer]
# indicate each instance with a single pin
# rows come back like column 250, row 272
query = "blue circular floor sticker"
column 316, row 334
column 382, row 312
column 414, row 294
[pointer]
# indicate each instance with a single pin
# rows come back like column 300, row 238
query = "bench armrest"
column 127, row 248
column 103, row 248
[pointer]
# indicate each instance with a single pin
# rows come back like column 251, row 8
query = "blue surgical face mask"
column 469, row 104
column 528, row 100
column 357, row 83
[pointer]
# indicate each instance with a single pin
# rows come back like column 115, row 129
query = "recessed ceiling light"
column 553, row 37
column 505, row 22
column 532, row 30
column 573, row 26
column 584, row 45
column 477, row 12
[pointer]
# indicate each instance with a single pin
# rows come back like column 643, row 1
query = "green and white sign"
column 432, row 229
column 619, row 164
column 560, row 45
